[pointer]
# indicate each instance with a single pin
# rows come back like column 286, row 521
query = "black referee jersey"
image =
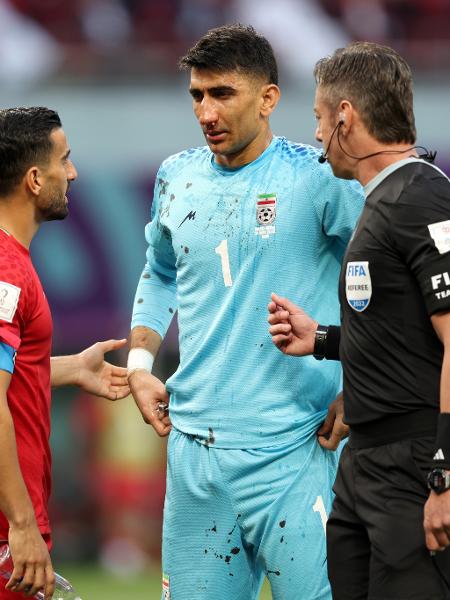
column 395, row 275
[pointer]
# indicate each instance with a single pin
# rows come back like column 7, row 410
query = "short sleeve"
column 15, row 294
column 420, row 230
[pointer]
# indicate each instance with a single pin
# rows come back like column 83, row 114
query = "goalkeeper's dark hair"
column 24, row 142
column 378, row 82
column 233, row 48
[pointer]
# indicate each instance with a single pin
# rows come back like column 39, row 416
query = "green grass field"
column 92, row 583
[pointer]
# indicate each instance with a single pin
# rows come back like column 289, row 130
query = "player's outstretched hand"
column 437, row 521
column 292, row 330
column 152, row 399
column 33, row 569
column 98, row 377
column 333, row 430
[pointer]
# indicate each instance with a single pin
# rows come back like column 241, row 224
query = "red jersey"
column 26, row 325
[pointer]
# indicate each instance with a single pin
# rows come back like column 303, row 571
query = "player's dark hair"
column 24, row 142
column 378, row 82
column 233, row 48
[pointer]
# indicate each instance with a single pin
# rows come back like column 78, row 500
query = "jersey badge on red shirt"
column 9, row 298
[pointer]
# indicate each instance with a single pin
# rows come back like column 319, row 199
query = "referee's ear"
column 346, row 116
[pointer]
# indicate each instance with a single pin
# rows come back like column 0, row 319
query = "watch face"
column 438, row 480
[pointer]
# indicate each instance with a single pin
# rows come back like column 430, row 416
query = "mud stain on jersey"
column 211, row 439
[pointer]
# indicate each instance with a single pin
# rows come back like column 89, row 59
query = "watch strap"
column 320, row 342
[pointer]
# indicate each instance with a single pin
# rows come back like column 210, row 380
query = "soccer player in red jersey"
column 35, row 175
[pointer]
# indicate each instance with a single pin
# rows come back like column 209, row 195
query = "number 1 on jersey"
column 222, row 251
column 319, row 507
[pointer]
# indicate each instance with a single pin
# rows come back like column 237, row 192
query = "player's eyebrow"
column 223, row 89
column 66, row 154
column 216, row 90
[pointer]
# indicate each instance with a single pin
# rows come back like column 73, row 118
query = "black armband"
column 442, row 454
column 326, row 343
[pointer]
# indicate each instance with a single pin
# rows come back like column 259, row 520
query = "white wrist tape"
column 139, row 359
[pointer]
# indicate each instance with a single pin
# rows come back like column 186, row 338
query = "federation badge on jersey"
column 440, row 232
column 358, row 285
column 266, row 212
column 9, row 298
column 166, row 587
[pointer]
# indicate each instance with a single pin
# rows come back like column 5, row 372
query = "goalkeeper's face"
column 56, row 177
column 232, row 109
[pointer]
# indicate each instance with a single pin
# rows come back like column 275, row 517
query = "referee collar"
column 375, row 181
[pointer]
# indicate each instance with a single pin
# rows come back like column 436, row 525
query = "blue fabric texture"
column 219, row 242
column 232, row 517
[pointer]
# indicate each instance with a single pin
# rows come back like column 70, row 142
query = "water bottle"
column 63, row 589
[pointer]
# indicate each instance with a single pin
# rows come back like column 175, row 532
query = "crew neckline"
column 13, row 240
column 381, row 176
column 254, row 163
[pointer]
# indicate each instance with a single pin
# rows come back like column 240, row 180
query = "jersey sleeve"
column 338, row 203
column 420, row 230
column 155, row 299
column 14, row 298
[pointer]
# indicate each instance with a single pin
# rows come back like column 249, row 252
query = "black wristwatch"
column 320, row 342
column 439, row 480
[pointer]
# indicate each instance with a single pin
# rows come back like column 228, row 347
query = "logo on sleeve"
column 439, row 280
column 440, row 232
column 358, row 285
column 9, row 297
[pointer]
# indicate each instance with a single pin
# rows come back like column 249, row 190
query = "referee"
column 388, row 534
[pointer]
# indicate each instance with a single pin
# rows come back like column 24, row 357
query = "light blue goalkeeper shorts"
column 232, row 517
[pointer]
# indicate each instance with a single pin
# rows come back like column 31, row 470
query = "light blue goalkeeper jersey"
column 219, row 242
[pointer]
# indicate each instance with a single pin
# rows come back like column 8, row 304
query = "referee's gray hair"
column 378, row 82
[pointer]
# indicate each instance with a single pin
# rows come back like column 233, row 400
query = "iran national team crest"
column 266, row 206
column 358, row 285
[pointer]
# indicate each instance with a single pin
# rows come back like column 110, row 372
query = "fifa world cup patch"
column 440, row 232
column 165, row 587
column 9, row 298
column 358, row 285
column 266, row 212
column 440, row 280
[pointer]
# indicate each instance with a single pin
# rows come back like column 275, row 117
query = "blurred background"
column 109, row 68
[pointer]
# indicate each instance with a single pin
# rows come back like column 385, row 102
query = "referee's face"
column 232, row 109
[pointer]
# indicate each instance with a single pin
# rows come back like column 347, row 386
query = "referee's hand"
column 333, row 430
column 293, row 331
column 437, row 521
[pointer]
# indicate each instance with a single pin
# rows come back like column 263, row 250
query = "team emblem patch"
column 9, row 297
column 440, row 232
column 266, row 211
column 358, row 285
column 165, row 587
